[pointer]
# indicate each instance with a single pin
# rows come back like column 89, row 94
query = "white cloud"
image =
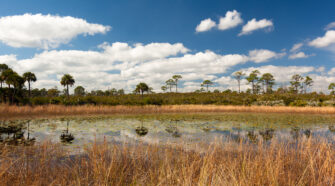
column 298, row 55
column 262, row 55
column 205, row 25
column 121, row 65
column 253, row 25
column 8, row 59
column 44, row 31
column 330, row 26
column 296, row 47
column 331, row 71
column 326, row 40
column 231, row 20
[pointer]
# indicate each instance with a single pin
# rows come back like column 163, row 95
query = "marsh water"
column 168, row 128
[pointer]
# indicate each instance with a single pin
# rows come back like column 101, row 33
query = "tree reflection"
column 308, row 133
column 66, row 137
column 173, row 130
column 252, row 136
column 13, row 134
column 267, row 134
column 331, row 128
column 295, row 132
column 141, row 130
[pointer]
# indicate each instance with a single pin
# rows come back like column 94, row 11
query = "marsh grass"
column 307, row 162
column 7, row 112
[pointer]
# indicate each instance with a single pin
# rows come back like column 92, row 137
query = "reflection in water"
column 267, row 134
column 331, row 128
column 82, row 131
column 295, row 132
column 66, row 137
column 141, row 130
column 307, row 133
column 173, row 130
column 13, row 134
column 252, row 136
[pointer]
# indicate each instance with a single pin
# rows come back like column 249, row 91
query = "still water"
column 168, row 128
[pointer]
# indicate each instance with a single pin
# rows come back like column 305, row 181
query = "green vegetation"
column 261, row 92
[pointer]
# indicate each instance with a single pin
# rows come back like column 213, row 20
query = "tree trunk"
column 67, row 91
column 207, row 87
column 239, row 86
column 176, row 86
column 253, row 87
column 29, row 88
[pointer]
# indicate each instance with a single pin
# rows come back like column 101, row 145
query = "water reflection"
column 267, row 134
column 66, row 137
column 173, row 130
column 119, row 130
column 13, row 134
column 331, row 128
column 252, row 136
column 141, row 130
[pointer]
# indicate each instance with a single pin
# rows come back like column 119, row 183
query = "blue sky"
column 77, row 48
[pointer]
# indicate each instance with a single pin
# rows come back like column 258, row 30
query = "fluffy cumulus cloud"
column 44, row 31
column 121, row 65
column 324, row 41
column 231, row 20
column 298, row 55
column 205, row 25
column 263, row 55
column 253, row 25
column 330, row 26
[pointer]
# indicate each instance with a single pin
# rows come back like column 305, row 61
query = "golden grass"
column 310, row 162
column 7, row 112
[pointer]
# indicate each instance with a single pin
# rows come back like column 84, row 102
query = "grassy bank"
column 310, row 162
column 8, row 112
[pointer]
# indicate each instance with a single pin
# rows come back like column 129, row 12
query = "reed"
column 7, row 112
column 308, row 162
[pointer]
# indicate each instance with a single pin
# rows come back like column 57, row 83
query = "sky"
column 118, row 44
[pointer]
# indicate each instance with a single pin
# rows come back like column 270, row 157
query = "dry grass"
column 307, row 163
column 7, row 112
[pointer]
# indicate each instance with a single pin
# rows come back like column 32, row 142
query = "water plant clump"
column 141, row 131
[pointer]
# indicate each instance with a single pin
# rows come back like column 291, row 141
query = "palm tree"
column 176, row 78
column 67, row 80
column 3, row 67
column 170, row 83
column 207, row 83
column 141, row 88
column 29, row 77
column 239, row 76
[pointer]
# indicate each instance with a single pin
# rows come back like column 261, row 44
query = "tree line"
column 13, row 90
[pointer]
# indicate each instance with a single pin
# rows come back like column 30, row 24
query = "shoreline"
column 22, row 112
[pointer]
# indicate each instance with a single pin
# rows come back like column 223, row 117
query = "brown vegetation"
column 8, row 112
column 309, row 162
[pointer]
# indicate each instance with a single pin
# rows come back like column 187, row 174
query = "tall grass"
column 7, row 112
column 308, row 162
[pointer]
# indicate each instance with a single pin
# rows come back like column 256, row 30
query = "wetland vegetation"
column 169, row 149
